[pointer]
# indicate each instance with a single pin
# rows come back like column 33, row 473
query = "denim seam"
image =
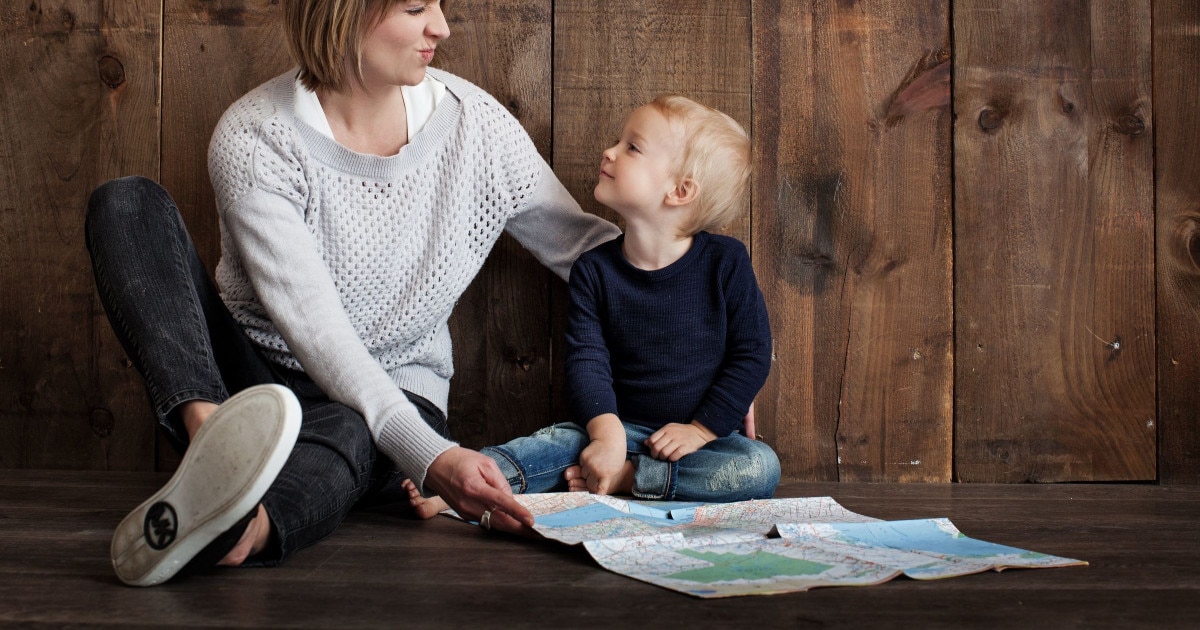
column 201, row 332
column 668, row 491
column 517, row 466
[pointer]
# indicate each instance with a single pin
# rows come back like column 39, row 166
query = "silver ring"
column 485, row 521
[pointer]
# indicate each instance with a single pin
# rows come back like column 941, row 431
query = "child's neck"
column 653, row 247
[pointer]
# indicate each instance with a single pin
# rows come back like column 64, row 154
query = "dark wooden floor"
column 381, row 569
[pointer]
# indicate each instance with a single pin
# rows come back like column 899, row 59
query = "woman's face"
column 397, row 50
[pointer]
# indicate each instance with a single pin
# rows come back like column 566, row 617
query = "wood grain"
column 502, row 354
column 79, row 107
column 1054, row 241
column 383, row 569
column 214, row 52
column 613, row 57
column 1177, row 194
column 852, row 236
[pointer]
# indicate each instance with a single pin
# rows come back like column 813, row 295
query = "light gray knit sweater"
column 348, row 265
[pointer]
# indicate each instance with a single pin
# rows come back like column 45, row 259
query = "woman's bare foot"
column 254, row 540
column 623, row 485
column 194, row 413
column 425, row 508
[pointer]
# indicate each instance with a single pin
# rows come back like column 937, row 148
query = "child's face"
column 639, row 170
column 400, row 47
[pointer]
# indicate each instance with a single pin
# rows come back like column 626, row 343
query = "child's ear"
column 683, row 193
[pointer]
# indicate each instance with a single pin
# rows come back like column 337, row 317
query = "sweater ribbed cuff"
column 411, row 444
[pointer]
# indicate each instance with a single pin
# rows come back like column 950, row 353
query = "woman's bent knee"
column 116, row 199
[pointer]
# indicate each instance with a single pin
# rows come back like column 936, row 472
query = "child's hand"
column 601, row 464
column 673, row 441
column 602, row 461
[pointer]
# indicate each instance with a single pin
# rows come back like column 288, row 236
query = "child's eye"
column 633, row 147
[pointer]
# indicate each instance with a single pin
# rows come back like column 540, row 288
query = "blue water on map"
column 921, row 535
column 596, row 513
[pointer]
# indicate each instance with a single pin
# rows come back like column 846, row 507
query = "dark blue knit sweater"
column 687, row 342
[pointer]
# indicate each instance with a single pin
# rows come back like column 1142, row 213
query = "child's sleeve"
column 747, row 350
column 587, row 365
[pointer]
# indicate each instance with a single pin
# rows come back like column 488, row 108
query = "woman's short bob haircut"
column 322, row 35
column 716, row 156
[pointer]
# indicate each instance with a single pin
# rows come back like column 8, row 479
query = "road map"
column 764, row 547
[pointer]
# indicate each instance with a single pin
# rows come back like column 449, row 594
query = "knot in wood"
column 112, row 71
column 102, row 422
column 1131, row 125
column 990, row 118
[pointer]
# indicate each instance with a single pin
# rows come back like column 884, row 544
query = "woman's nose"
column 437, row 27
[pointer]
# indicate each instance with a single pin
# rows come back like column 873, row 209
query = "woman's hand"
column 675, row 440
column 471, row 483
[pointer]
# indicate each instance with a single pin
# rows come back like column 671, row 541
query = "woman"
column 358, row 197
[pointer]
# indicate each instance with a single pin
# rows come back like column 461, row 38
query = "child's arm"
column 603, row 458
column 747, row 350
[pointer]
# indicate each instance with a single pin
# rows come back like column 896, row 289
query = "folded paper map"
column 764, row 547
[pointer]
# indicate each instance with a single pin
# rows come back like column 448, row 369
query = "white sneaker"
column 233, row 459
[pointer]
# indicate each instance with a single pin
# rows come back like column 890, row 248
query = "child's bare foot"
column 575, row 480
column 425, row 508
column 623, row 485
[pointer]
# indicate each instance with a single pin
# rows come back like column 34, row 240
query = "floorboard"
column 382, row 569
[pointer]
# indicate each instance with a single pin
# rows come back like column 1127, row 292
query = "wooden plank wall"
column 976, row 268
column 1054, row 241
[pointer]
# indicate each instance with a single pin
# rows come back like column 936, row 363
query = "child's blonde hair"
column 716, row 156
column 323, row 34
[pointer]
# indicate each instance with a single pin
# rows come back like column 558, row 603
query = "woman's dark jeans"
column 171, row 321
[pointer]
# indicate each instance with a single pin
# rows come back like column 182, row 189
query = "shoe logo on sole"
column 160, row 526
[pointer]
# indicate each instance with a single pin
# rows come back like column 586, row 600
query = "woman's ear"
column 683, row 193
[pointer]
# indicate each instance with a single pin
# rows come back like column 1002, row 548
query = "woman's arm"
column 554, row 228
column 291, row 281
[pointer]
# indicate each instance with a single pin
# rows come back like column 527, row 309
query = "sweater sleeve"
column 747, row 350
column 279, row 256
column 554, row 228
column 587, row 365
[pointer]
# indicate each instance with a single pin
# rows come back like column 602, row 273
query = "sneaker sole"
column 233, row 460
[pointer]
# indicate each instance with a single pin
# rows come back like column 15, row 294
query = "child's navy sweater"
column 690, row 341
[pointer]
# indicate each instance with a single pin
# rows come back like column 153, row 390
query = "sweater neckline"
column 331, row 153
column 699, row 240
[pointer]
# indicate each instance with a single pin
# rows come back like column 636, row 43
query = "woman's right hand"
column 471, row 483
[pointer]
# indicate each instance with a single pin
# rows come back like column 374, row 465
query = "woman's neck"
column 374, row 122
column 652, row 247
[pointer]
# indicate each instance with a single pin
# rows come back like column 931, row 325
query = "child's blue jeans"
column 732, row 468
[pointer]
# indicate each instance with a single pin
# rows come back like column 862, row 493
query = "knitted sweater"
column 690, row 341
column 347, row 266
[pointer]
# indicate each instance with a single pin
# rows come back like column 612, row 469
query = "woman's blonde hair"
column 322, row 35
column 716, row 155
